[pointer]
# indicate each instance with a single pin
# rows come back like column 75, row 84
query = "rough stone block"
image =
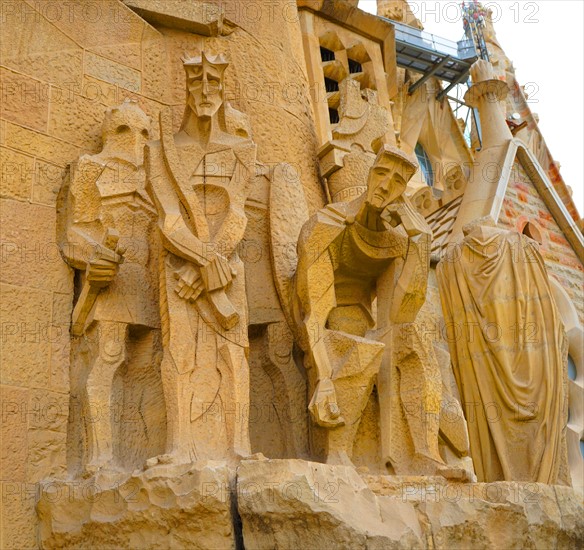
column 25, row 100
column 13, row 428
column 17, row 516
column 186, row 506
column 76, row 119
column 39, row 145
column 48, row 179
column 25, row 347
column 113, row 72
column 300, row 504
column 16, row 174
column 28, row 235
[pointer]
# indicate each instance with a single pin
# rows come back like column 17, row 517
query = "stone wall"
column 523, row 204
column 63, row 64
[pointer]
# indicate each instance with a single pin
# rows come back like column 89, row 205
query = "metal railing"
column 464, row 49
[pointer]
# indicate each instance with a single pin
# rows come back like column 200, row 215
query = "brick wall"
column 523, row 204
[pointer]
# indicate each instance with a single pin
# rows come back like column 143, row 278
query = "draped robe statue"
column 509, row 352
column 199, row 179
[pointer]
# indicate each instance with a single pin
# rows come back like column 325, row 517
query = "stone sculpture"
column 106, row 225
column 348, row 253
column 363, row 126
column 509, row 354
column 199, row 179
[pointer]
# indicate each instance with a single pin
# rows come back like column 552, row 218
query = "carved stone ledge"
column 201, row 18
column 299, row 504
column 169, row 506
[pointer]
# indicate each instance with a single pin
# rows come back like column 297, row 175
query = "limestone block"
column 128, row 54
column 25, row 100
column 299, row 504
column 46, row 454
column 154, row 65
column 503, row 515
column 47, row 413
column 113, row 72
column 13, row 430
column 186, row 506
column 487, row 515
column 42, row 146
column 46, row 183
column 28, row 237
column 75, row 119
column 104, row 24
column 202, row 18
column 60, row 341
column 16, row 174
column 25, row 346
column 17, row 516
column 32, row 44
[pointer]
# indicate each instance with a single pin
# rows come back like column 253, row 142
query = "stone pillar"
column 483, row 195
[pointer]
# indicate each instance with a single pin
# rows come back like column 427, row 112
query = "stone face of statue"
column 386, row 183
column 126, row 129
column 205, row 88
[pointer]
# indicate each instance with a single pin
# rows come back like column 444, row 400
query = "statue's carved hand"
column 217, row 273
column 104, row 265
column 403, row 212
column 101, row 273
column 190, row 284
column 323, row 405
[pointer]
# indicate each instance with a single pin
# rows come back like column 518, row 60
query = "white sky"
column 544, row 39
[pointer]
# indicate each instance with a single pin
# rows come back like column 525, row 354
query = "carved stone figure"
column 363, row 126
column 348, row 253
column 106, row 226
column 199, row 179
column 509, row 352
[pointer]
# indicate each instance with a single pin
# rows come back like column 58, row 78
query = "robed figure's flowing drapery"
column 509, row 353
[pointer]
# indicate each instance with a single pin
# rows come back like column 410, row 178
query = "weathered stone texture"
column 298, row 504
column 164, row 507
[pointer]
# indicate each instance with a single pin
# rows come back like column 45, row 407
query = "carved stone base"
column 168, row 506
column 301, row 504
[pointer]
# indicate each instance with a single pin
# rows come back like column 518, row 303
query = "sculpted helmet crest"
column 218, row 61
column 128, row 114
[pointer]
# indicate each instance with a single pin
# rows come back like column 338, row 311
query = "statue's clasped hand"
column 402, row 212
column 217, row 273
column 323, row 405
column 190, row 284
column 192, row 281
column 104, row 265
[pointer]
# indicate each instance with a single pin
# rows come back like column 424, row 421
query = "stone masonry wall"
column 62, row 65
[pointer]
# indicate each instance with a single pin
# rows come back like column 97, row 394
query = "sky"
column 544, row 40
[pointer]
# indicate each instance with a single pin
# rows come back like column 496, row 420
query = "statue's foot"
column 433, row 467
